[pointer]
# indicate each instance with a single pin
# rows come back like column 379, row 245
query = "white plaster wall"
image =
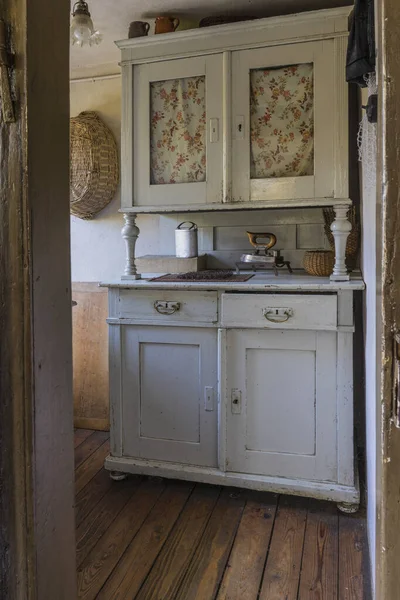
column 370, row 304
column 97, row 249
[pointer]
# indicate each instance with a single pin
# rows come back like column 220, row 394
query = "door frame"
column 37, row 545
column 388, row 295
column 36, row 450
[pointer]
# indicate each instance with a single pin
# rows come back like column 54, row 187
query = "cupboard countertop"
column 260, row 282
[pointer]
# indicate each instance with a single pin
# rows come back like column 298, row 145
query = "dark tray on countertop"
column 205, row 276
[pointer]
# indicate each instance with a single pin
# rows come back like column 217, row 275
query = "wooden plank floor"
column 158, row 539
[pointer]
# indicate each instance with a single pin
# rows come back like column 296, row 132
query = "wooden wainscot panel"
column 90, row 356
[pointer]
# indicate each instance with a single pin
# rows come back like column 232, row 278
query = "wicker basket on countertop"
column 94, row 165
column 319, row 262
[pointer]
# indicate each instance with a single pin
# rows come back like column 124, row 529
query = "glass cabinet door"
column 282, row 122
column 178, row 132
column 283, row 133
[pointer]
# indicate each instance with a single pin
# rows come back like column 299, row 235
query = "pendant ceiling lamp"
column 82, row 29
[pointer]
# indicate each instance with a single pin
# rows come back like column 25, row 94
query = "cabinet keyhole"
column 240, row 128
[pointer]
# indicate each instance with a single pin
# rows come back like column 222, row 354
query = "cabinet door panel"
column 285, row 425
column 272, row 413
column 178, row 132
column 168, row 376
column 166, row 413
column 283, row 137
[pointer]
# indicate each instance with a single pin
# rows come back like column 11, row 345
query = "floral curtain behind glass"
column 178, row 130
column 282, row 122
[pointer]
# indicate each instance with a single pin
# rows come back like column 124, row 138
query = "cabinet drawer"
column 168, row 306
column 279, row 311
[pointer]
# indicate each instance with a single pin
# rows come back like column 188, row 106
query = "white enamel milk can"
column 186, row 240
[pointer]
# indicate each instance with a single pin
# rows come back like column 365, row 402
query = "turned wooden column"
column 130, row 233
column 340, row 228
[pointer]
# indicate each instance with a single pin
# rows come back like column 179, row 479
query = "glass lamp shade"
column 82, row 31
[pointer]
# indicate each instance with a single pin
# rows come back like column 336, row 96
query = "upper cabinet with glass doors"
column 237, row 116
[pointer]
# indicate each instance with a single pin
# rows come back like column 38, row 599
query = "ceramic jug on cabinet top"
column 138, row 29
column 166, row 24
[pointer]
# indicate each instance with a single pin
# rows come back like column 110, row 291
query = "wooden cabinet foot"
column 348, row 507
column 118, row 476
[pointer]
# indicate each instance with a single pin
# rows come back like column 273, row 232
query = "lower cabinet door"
column 169, row 394
column 281, row 403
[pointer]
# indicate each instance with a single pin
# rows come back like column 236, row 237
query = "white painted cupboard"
column 234, row 386
column 241, row 116
column 246, row 384
column 236, row 115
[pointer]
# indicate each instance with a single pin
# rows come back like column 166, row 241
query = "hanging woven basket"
column 94, row 165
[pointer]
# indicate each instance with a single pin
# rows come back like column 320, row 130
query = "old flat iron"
column 263, row 256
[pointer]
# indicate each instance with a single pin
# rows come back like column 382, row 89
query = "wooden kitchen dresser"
column 238, row 386
column 247, row 384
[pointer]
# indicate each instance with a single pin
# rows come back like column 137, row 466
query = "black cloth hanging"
column 361, row 46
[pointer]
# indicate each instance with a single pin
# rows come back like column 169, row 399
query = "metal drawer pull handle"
column 166, row 308
column 278, row 315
